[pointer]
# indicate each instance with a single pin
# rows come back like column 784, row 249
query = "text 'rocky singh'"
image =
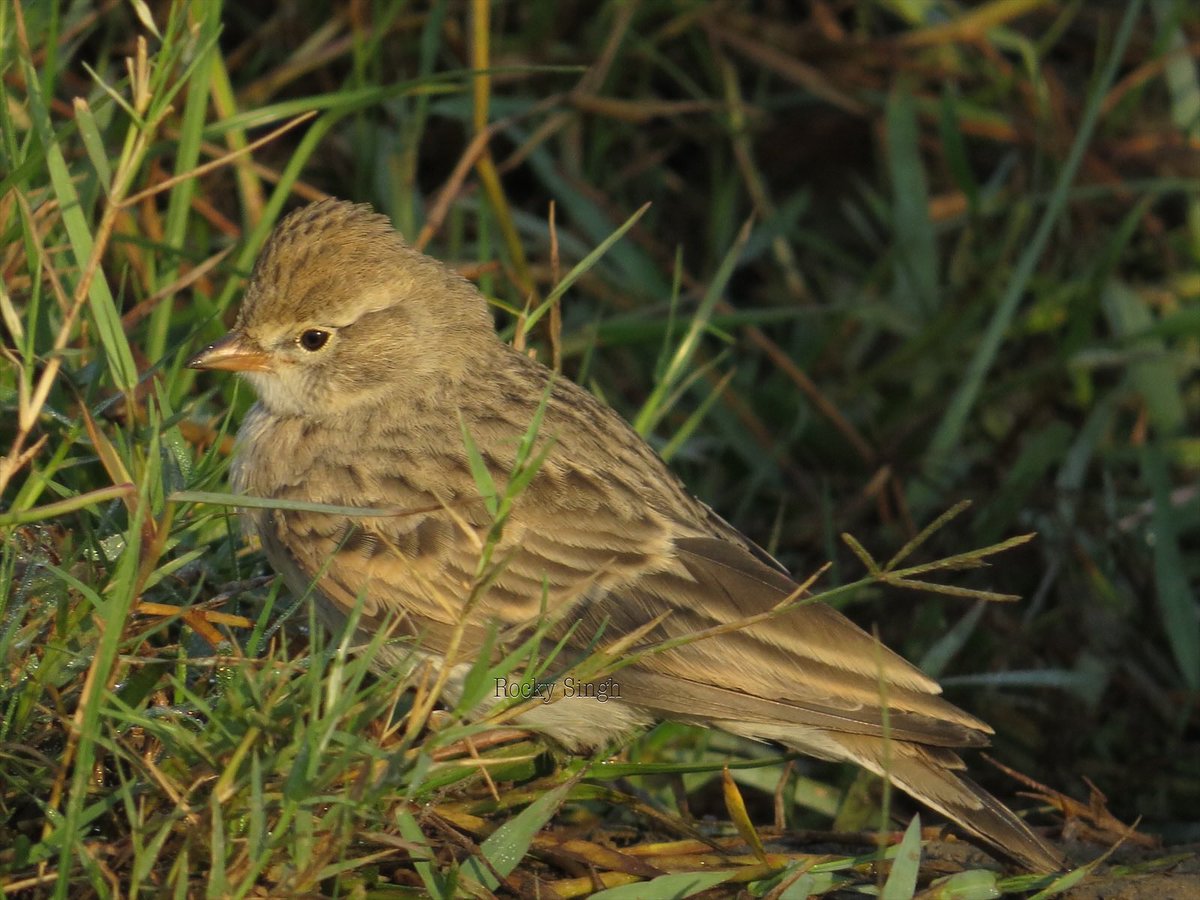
column 567, row 689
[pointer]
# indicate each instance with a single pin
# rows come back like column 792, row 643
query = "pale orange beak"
column 234, row 352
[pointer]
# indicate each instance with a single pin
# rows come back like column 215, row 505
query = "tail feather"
column 934, row 776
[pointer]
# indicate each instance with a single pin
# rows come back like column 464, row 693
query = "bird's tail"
column 933, row 775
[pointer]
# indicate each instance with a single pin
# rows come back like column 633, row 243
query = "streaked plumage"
column 373, row 417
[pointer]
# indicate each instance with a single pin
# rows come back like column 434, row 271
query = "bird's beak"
column 234, row 352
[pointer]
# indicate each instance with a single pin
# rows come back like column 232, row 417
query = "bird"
column 382, row 384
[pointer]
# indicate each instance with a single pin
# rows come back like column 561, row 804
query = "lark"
column 371, row 359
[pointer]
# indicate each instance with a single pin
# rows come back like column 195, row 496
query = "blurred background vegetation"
column 970, row 272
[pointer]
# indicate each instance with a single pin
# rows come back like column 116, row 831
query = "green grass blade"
column 509, row 843
column 1176, row 600
column 117, row 354
column 655, row 407
column 915, row 261
column 948, row 435
column 901, row 882
column 682, row 884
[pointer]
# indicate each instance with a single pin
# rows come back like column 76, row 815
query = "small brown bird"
column 369, row 359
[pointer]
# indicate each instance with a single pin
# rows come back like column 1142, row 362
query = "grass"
column 896, row 256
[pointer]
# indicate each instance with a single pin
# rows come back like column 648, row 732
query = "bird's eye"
column 313, row 339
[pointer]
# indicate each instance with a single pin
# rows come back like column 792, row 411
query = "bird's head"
column 341, row 314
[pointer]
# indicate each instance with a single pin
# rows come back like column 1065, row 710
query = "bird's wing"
column 808, row 666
